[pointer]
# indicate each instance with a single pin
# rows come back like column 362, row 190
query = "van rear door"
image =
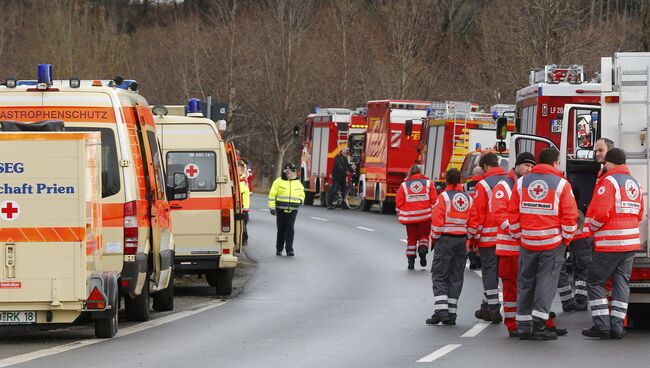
column 231, row 153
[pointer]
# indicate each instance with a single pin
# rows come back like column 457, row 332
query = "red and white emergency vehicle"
column 391, row 148
column 327, row 131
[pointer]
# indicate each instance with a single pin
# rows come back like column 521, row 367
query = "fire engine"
column 539, row 104
column 451, row 130
column 621, row 114
column 391, row 147
column 327, row 131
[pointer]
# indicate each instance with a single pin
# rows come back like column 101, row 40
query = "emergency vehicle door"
column 525, row 143
column 231, row 153
column 154, row 182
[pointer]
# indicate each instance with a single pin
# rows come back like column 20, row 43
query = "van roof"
column 176, row 119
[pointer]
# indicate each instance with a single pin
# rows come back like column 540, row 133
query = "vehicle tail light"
column 130, row 228
column 612, row 99
column 226, row 251
column 225, row 220
column 640, row 274
column 96, row 300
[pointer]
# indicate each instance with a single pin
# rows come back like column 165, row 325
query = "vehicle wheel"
column 106, row 328
column 224, row 281
column 137, row 309
column 309, row 198
column 387, row 207
column 211, row 277
column 352, row 198
column 163, row 300
column 366, row 205
column 638, row 314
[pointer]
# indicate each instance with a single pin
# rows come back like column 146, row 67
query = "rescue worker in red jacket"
column 415, row 198
column 614, row 217
column 542, row 214
column 482, row 229
column 449, row 239
column 507, row 248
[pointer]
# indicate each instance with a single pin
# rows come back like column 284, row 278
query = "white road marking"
column 365, row 228
column 18, row 359
column 265, row 210
column 439, row 353
column 479, row 273
column 476, row 329
column 319, row 219
column 403, row 240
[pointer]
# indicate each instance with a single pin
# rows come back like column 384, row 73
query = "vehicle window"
column 200, row 168
column 157, row 165
column 110, row 165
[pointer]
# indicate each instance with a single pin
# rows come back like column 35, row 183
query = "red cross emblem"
column 632, row 190
column 192, row 171
column 538, row 189
column 460, row 203
column 9, row 210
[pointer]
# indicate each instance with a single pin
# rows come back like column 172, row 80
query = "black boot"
column 543, row 334
column 558, row 331
column 411, row 263
column 423, row 256
column 495, row 317
column 595, row 332
column 439, row 318
column 482, row 313
column 569, row 306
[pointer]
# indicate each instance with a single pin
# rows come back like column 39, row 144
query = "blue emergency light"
column 193, row 106
column 45, row 74
column 594, row 116
column 495, row 115
column 429, row 110
column 478, row 147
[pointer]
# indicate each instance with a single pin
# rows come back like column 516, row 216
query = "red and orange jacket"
column 542, row 212
column 615, row 212
column 415, row 198
column 480, row 225
column 506, row 244
column 451, row 212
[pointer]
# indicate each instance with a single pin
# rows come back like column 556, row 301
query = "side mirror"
column 584, row 131
column 501, row 146
column 180, row 189
column 502, row 128
column 408, row 128
column 296, row 131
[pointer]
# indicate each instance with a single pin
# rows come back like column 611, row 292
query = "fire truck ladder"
column 460, row 142
column 342, row 139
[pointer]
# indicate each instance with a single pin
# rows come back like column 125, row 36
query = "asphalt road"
column 345, row 300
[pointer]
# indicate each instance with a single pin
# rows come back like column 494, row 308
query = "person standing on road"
column 477, row 175
column 449, row 241
column 482, row 230
column 245, row 193
column 340, row 173
column 542, row 214
column 286, row 195
column 414, row 200
column 600, row 150
column 614, row 217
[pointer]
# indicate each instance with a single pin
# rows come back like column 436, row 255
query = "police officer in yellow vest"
column 286, row 195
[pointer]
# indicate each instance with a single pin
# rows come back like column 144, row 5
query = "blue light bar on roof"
column 193, row 106
column 45, row 74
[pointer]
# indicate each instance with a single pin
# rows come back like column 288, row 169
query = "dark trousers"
column 245, row 232
column 618, row 266
column 337, row 184
column 490, row 276
column 285, row 222
column 447, row 273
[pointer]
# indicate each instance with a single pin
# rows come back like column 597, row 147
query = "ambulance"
column 622, row 114
column 208, row 226
column 51, row 229
column 137, row 240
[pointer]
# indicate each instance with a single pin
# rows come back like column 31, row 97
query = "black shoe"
column 595, row 332
column 411, row 263
column 438, row 318
column 525, row 336
column 580, row 307
column 495, row 317
column 558, row 331
column 290, row 254
column 482, row 314
column 278, row 253
column 617, row 335
column 569, row 306
column 330, row 208
column 423, row 256
column 543, row 334
column 513, row 333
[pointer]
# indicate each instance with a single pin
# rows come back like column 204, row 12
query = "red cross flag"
column 9, row 210
column 191, row 170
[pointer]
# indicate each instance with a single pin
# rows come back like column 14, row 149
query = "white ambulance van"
column 207, row 227
column 136, row 236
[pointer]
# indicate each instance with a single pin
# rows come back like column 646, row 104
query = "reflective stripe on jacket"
column 506, row 244
column 450, row 213
column 616, row 210
column 542, row 212
column 414, row 199
column 480, row 225
column 286, row 194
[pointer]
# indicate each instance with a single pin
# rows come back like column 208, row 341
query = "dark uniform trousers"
column 618, row 266
column 285, row 220
column 490, row 276
column 447, row 272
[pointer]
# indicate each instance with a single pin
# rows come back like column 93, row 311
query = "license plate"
column 17, row 318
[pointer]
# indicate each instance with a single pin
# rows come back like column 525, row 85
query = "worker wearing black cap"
column 285, row 196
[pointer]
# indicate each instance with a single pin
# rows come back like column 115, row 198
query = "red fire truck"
column 539, row 106
column 327, row 131
column 391, row 147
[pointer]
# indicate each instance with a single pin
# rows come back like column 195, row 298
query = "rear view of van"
column 205, row 229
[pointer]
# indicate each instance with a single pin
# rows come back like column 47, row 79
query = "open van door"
column 520, row 143
column 231, row 153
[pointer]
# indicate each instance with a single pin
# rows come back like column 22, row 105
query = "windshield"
column 200, row 168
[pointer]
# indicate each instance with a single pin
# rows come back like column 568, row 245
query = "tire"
column 163, row 300
column 106, row 328
column 386, row 207
column 211, row 278
column 309, row 198
column 224, row 281
column 639, row 315
column 352, row 199
column 366, row 205
column 137, row 309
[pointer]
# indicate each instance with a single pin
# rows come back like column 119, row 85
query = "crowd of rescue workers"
column 521, row 223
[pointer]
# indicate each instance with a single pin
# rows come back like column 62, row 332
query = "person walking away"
column 339, row 177
column 542, row 214
column 482, row 230
column 449, row 238
column 613, row 216
column 286, row 195
column 245, row 193
column 414, row 200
